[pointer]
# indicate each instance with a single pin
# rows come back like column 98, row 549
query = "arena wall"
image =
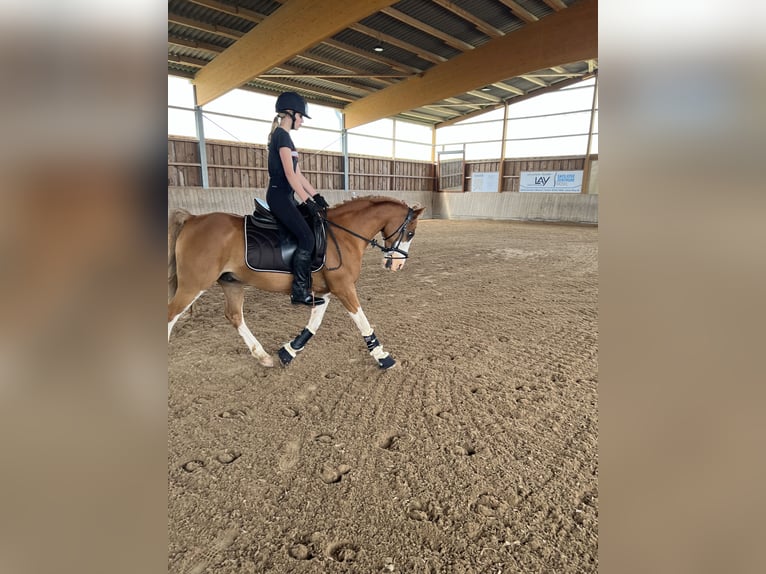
column 555, row 207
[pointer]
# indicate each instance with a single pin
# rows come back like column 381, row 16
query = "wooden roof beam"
column 205, row 27
column 373, row 56
column 520, row 12
column 196, row 44
column 483, row 96
column 428, row 29
column 490, row 31
column 534, row 80
column 418, row 51
column 233, row 10
column 516, row 99
column 567, row 36
column 345, row 67
column 297, row 73
column 507, row 88
column 331, row 76
column 319, row 95
column 196, row 62
column 557, row 5
column 265, row 46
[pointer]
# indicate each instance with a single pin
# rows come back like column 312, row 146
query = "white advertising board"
column 484, row 180
column 551, row 181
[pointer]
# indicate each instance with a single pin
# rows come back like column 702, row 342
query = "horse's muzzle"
column 393, row 263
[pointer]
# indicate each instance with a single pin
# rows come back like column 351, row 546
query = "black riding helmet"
column 292, row 101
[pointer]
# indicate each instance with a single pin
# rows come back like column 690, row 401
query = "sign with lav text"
column 551, row 181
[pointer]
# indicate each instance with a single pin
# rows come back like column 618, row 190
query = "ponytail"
column 275, row 124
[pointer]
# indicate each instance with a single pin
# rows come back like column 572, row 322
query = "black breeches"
column 285, row 209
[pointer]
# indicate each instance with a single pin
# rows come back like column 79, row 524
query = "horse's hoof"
column 266, row 361
column 386, row 362
column 284, row 356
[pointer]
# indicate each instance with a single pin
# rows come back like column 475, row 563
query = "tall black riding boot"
column 301, row 294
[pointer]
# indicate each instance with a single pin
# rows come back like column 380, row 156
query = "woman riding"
column 285, row 180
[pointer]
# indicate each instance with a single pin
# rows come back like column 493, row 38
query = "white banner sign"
column 551, row 181
column 484, row 180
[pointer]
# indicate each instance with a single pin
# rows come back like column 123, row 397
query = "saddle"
column 269, row 245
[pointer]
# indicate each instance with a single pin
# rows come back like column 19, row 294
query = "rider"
column 286, row 178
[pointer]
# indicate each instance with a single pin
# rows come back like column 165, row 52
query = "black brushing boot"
column 301, row 294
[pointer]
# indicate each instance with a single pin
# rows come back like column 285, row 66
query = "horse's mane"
column 360, row 201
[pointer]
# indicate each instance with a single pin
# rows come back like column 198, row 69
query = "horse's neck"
column 368, row 220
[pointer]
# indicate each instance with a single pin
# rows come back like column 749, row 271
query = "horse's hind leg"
column 289, row 350
column 235, row 299
column 351, row 303
column 180, row 302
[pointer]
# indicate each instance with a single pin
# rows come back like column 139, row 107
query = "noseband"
column 387, row 250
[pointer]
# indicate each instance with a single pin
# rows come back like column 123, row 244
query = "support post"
column 201, row 140
column 501, row 168
column 344, row 144
column 344, row 147
column 586, row 167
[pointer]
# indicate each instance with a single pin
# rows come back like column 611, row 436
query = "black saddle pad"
column 270, row 247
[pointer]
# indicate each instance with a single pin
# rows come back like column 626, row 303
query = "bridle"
column 388, row 251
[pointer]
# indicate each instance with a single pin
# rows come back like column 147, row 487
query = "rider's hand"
column 312, row 207
column 320, row 201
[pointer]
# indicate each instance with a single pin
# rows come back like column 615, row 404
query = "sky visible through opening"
column 562, row 132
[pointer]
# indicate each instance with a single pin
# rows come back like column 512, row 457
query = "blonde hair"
column 275, row 124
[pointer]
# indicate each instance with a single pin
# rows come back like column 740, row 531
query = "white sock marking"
column 317, row 314
column 250, row 340
column 174, row 319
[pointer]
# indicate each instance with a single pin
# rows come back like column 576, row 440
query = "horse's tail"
column 176, row 221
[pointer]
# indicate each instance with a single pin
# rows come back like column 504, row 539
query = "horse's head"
column 398, row 233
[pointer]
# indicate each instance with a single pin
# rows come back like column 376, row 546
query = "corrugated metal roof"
column 402, row 31
column 208, row 16
column 493, row 13
column 442, row 19
column 536, row 7
column 417, row 26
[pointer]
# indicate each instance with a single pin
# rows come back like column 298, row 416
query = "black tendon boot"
column 301, row 294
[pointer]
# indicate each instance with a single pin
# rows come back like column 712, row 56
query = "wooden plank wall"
column 232, row 164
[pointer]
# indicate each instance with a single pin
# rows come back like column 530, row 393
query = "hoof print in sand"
column 324, row 439
column 391, row 442
column 228, row 456
column 290, row 412
column 332, row 474
column 300, row 552
column 193, row 465
column 490, row 505
column 234, row 414
column 464, row 449
column 422, row 511
column 445, row 415
column 343, row 551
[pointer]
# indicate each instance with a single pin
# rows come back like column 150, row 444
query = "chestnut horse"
column 203, row 249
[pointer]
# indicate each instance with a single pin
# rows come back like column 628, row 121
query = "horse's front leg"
column 351, row 303
column 289, row 350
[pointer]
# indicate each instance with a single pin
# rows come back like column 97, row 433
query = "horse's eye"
column 410, row 234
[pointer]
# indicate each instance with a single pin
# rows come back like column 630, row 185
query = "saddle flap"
column 269, row 246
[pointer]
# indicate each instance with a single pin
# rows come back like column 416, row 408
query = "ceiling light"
column 378, row 48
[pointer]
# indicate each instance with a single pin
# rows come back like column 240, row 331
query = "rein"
column 373, row 242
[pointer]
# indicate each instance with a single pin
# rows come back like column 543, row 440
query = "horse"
column 209, row 248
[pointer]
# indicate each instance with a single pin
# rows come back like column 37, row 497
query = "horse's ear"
column 418, row 210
